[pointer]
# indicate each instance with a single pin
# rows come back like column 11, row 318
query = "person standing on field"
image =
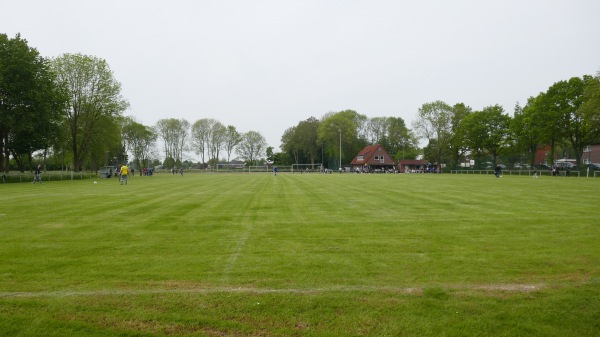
column 124, row 173
column 38, row 175
column 498, row 171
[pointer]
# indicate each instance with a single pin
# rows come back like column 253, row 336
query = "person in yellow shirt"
column 124, row 173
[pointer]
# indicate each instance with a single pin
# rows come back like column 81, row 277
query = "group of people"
column 175, row 170
column 122, row 172
column 556, row 171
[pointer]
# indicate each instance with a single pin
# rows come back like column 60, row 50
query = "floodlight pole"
column 340, row 130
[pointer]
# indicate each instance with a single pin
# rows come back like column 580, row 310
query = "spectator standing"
column 38, row 175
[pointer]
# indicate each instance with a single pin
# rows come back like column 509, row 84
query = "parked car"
column 594, row 166
column 564, row 165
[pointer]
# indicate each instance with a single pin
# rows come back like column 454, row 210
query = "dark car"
column 594, row 166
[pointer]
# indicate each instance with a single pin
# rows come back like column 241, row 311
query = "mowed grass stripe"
column 350, row 229
column 326, row 230
column 321, row 255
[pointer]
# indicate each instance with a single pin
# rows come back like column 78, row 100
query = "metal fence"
column 519, row 172
column 47, row 176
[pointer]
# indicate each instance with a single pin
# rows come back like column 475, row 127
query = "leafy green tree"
column 138, row 139
column 345, row 130
column 567, row 99
column 217, row 140
column 201, row 137
column 525, row 128
column 458, row 147
column 169, row 163
column 551, row 128
column 487, row 131
column 210, row 136
column 399, row 140
column 590, row 109
column 30, row 103
column 307, row 134
column 376, row 130
column 252, row 147
column 434, row 121
column 94, row 100
column 174, row 133
column 290, row 144
column 107, row 142
column 232, row 139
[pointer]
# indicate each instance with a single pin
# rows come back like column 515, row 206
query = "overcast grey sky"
column 266, row 65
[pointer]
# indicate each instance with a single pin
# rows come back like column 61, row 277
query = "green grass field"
column 301, row 255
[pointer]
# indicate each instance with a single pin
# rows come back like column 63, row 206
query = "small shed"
column 106, row 171
column 412, row 166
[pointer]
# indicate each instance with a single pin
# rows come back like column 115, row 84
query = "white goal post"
column 259, row 168
column 307, row 168
column 231, row 167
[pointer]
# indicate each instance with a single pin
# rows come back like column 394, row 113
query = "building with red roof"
column 373, row 158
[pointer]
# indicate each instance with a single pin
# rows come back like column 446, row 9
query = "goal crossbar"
column 307, row 168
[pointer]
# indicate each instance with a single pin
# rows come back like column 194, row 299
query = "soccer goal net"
column 307, row 168
column 259, row 168
column 227, row 168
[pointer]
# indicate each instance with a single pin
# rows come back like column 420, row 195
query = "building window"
column 587, row 148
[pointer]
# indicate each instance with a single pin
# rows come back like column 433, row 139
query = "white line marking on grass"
column 241, row 242
column 516, row 288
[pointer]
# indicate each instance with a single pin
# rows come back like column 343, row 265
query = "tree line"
column 67, row 112
column 565, row 119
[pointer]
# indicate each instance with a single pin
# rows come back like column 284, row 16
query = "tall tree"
column 208, row 137
column 232, row 139
column 434, row 122
column 174, row 134
column 30, row 102
column 399, row 140
column 290, row 144
column 525, row 128
column 139, row 140
column 345, row 131
column 376, row 130
column 252, row 147
column 488, row 130
column 591, row 108
column 307, row 138
column 200, row 138
column 217, row 141
column 566, row 99
column 94, row 100
column 458, row 146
